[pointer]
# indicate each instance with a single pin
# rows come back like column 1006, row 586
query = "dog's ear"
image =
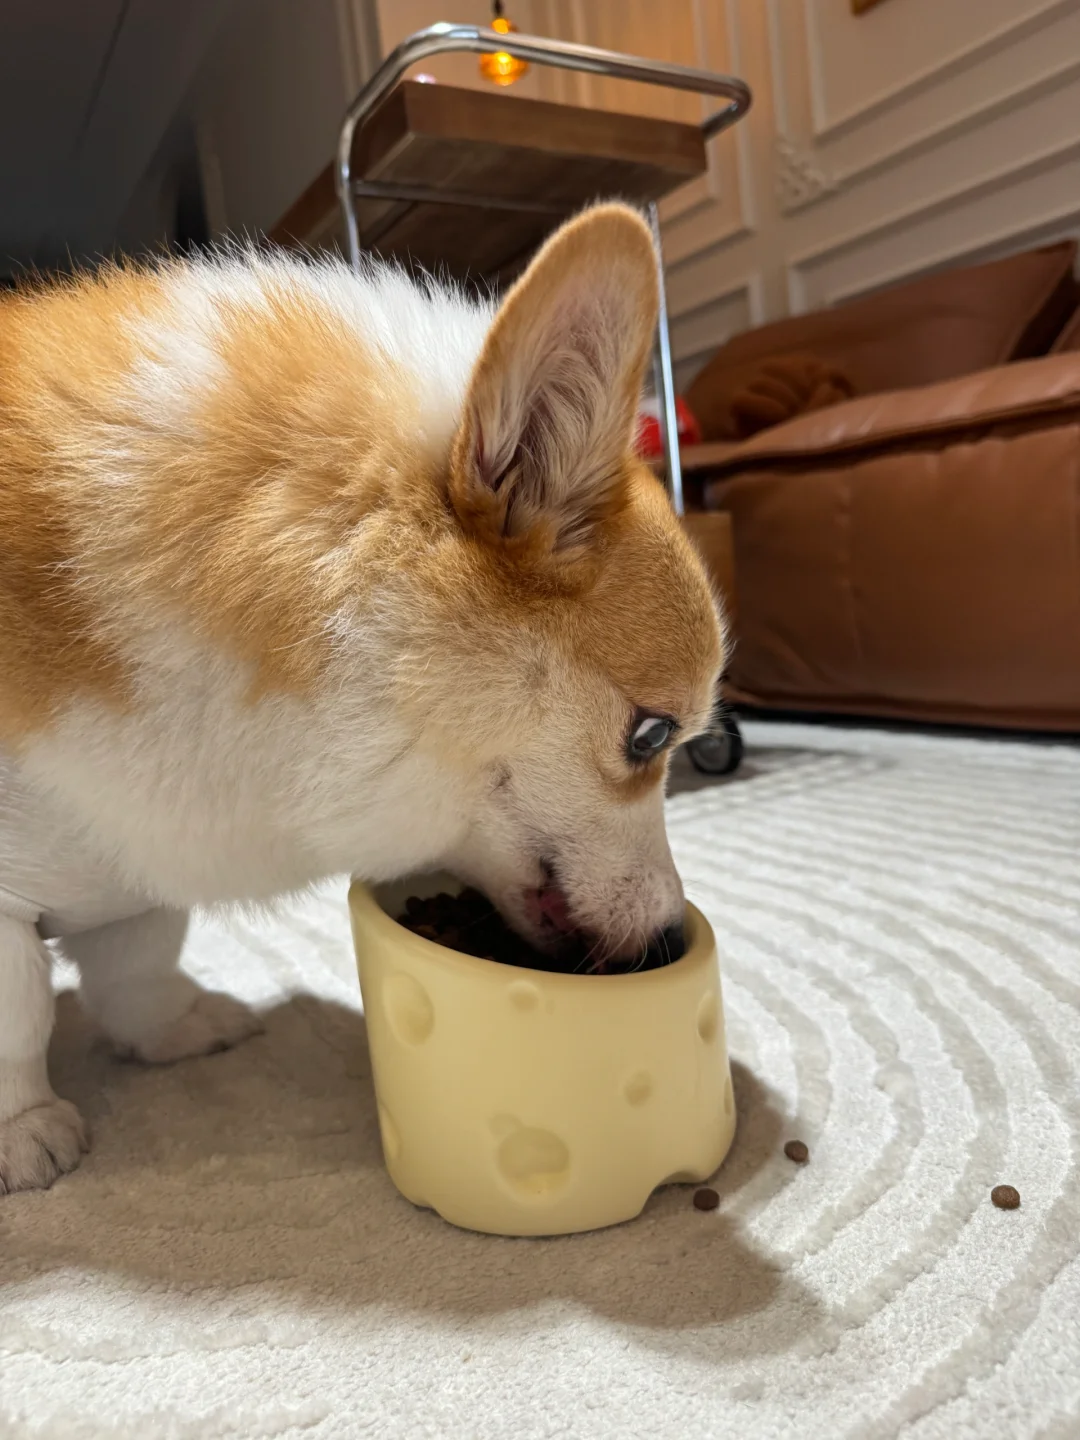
column 551, row 410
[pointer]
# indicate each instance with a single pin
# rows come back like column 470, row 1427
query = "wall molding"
column 677, row 255
column 822, row 127
column 1031, row 231
column 942, row 203
column 1033, row 89
column 798, row 268
column 1041, row 229
column 690, row 199
column 798, row 180
column 748, row 289
column 740, row 285
column 895, row 185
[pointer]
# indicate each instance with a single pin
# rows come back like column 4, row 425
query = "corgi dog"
column 305, row 572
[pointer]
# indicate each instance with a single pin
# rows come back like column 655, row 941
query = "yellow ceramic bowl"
column 518, row 1102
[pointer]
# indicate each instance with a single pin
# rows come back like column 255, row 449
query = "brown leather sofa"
column 913, row 553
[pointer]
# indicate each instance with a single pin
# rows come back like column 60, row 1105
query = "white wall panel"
column 920, row 134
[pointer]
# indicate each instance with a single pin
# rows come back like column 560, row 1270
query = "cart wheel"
column 720, row 750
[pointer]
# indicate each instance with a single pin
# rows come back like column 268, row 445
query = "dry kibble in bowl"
column 470, row 924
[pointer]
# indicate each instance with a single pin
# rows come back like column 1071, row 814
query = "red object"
column 650, row 441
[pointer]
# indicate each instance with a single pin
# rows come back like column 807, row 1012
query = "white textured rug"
column 900, row 917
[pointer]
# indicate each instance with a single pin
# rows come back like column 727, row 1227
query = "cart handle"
column 444, row 39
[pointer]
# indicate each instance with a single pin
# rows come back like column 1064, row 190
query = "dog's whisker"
column 665, row 948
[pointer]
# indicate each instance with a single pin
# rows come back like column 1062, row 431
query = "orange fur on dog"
column 305, row 572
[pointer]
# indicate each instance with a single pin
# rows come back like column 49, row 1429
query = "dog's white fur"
column 206, row 789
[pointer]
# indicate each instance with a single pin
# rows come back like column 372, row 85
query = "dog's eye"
column 649, row 735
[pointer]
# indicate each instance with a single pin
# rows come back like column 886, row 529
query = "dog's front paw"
column 40, row 1145
column 214, row 1022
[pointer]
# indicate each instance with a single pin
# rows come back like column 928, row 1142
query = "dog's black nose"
column 673, row 942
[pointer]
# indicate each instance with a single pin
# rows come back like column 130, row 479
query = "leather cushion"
column 931, row 329
column 915, row 554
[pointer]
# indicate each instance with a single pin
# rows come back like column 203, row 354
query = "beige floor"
column 901, row 924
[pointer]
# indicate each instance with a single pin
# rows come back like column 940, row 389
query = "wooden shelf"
column 504, row 147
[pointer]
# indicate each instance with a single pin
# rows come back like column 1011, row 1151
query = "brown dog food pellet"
column 706, row 1199
column 1005, row 1197
column 797, row 1151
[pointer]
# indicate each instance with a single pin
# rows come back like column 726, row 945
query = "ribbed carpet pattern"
column 900, row 924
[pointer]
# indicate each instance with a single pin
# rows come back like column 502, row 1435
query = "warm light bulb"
column 499, row 67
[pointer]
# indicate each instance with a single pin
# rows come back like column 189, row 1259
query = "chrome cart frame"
column 445, row 39
column 719, row 751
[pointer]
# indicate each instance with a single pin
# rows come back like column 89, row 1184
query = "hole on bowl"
column 638, row 1088
column 534, row 1163
column 409, row 1010
column 524, row 995
column 708, row 1016
column 729, row 1097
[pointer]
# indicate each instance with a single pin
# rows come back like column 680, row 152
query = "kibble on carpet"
column 899, row 917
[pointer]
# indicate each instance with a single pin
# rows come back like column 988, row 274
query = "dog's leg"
column 151, row 1010
column 40, row 1136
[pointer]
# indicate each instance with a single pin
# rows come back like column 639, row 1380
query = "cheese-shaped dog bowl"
column 519, row 1102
